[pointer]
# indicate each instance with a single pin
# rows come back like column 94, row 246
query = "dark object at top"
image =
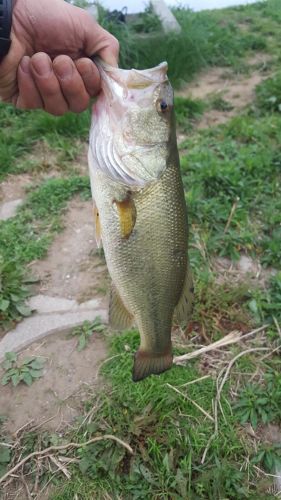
column 118, row 16
column 5, row 27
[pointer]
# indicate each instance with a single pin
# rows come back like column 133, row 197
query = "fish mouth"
column 133, row 78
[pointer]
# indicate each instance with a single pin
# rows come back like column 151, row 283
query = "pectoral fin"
column 119, row 317
column 184, row 307
column 127, row 216
column 97, row 226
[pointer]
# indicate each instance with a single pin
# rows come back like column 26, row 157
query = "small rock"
column 9, row 209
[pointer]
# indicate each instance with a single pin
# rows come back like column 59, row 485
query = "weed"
column 268, row 94
column 265, row 305
column 14, row 290
column 218, row 103
column 258, row 403
column 269, row 457
column 187, row 111
column 27, row 371
column 231, row 179
column 85, row 331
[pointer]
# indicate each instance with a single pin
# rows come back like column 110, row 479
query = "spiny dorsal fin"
column 119, row 317
column 184, row 307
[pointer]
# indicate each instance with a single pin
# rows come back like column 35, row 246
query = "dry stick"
column 234, row 206
column 231, row 338
column 195, row 380
column 193, row 402
column 64, row 447
column 277, row 326
column 61, row 467
column 219, row 390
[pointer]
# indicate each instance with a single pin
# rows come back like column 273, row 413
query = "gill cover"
column 131, row 126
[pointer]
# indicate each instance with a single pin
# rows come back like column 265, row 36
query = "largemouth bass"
column 140, row 212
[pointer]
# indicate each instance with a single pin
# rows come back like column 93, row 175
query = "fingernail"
column 42, row 66
column 24, row 64
column 63, row 69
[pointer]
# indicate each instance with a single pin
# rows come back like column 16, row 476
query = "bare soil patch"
column 74, row 268
column 69, row 377
column 14, row 187
column 236, row 89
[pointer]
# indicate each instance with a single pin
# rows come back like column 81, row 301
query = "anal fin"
column 119, row 317
column 184, row 307
column 148, row 363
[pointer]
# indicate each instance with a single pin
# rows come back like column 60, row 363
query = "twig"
column 195, row 381
column 29, row 496
column 232, row 211
column 231, row 338
column 61, row 467
column 193, row 402
column 106, row 361
column 65, row 447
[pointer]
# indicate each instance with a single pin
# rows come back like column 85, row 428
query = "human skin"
column 48, row 64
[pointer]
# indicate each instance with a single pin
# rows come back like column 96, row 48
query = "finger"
column 96, row 39
column 29, row 97
column 48, row 84
column 89, row 74
column 71, row 84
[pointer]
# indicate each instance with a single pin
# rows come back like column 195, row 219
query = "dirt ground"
column 236, row 89
column 69, row 378
column 74, row 268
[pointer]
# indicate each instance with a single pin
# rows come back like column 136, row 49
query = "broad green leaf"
column 11, row 356
column 36, row 373
column 5, row 379
column 23, row 309
column 38, row 363
column 15, row 379
column 84, row 465
column 82, row 343
column 27, row 378
column 5, row 455
column 4, row 304
column 6, row 365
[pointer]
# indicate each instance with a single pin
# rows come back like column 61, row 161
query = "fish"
column 139, row 209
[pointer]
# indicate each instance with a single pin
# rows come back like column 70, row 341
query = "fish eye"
column 162, row 106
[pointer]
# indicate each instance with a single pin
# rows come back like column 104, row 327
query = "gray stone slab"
column 9, row 209
column 44, row 304
column 40, row 326
column 167, row 18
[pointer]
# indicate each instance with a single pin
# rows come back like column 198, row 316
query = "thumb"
column 98, row 41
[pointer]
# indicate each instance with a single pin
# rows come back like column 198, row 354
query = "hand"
column 46, row 66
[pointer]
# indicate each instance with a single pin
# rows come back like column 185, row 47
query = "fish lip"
column 150, row 76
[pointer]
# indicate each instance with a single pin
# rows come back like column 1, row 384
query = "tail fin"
column 147, row 363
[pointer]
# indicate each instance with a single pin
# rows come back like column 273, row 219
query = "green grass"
column 236, row 167
column 207, row 38
column 20, row 131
